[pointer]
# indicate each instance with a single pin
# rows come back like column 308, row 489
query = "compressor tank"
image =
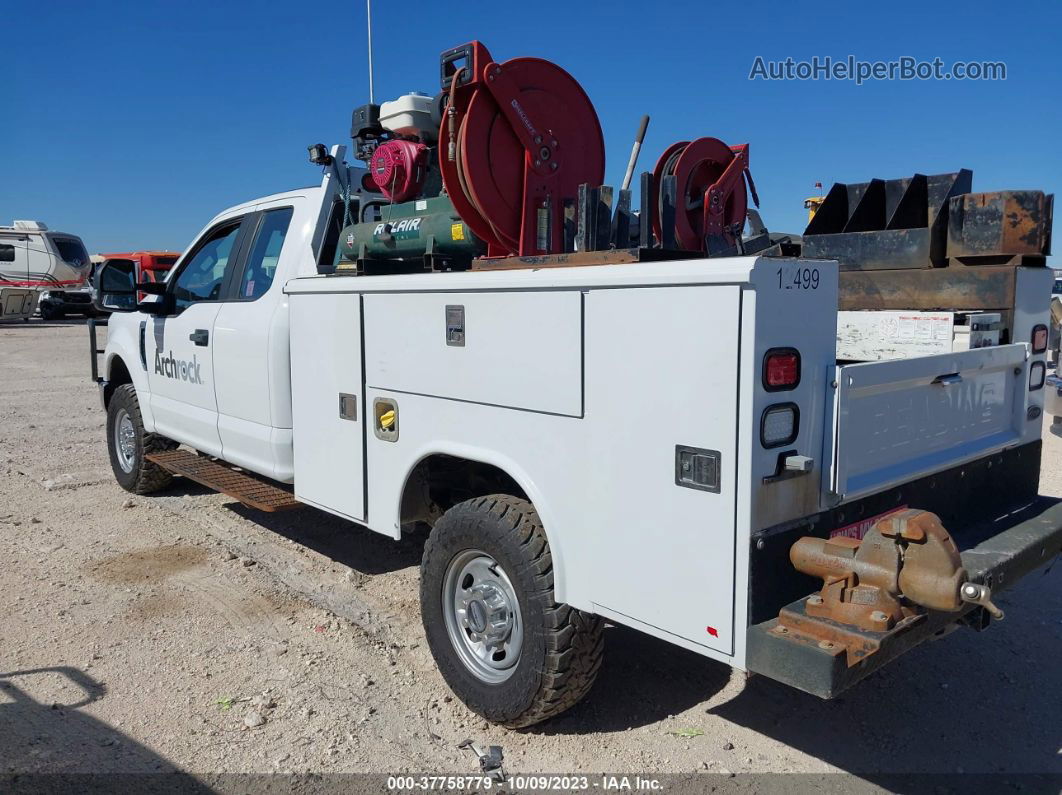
column 411, row 230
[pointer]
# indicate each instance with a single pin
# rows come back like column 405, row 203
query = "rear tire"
column 517, row 657
column 128, row 443
column 50, row 313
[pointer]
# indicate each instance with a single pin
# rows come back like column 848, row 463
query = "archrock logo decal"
column 178, row 369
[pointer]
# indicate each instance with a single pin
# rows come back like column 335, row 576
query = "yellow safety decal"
column 457, row 231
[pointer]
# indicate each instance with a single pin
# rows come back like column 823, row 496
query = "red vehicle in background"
column 151, row 266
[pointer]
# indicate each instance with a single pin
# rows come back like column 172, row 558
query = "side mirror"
column 116, row 286
column 118, row 291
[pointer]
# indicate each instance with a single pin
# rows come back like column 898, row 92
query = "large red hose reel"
column 517, row 139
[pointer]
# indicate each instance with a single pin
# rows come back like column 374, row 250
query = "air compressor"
column 405, row 219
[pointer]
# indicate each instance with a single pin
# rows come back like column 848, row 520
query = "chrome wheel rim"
column 482, row 615
column 125, row 440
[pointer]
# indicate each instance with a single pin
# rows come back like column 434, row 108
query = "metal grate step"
column 246, row 488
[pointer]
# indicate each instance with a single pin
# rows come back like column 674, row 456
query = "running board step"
column 240, row 486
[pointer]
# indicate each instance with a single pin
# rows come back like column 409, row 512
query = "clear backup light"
column 779, row 425
column 1037, row 376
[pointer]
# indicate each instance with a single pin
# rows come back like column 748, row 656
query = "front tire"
column 128, row 443
column 49, row 312
column 505, row 647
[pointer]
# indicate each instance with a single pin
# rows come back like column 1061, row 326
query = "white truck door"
column 661, row 392
column 178, row 350
column 250, row 341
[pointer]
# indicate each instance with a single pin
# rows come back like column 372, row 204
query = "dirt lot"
column 184, row 632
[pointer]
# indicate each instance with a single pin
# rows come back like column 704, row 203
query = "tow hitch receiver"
column 879, row 586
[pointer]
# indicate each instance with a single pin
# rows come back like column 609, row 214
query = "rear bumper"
column 1018, row 544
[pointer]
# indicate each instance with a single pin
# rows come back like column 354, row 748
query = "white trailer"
column 34, row 258
column 658, row 445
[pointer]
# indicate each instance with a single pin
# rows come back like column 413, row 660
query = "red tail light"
column 781, row 369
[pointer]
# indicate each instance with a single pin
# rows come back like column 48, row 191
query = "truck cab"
column 212, row 362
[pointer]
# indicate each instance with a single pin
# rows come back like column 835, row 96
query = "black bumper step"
column 248, row 489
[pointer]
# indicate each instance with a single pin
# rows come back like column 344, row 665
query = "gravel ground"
column 184, row 632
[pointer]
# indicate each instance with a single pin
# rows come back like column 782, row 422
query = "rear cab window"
column 261, row 267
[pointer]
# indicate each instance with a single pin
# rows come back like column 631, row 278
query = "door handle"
column 949, row 379
column 200, row 337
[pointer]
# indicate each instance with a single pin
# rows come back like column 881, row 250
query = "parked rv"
column 34, row 258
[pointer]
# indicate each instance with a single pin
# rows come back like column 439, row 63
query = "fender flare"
column 523, row 480
column 124, row 347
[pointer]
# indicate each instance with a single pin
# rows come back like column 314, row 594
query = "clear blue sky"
column 132, row 123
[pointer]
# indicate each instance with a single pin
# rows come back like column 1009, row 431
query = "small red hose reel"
column 710, row 192
column 516, row 141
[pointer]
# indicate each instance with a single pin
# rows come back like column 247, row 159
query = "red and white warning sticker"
column 859, row 529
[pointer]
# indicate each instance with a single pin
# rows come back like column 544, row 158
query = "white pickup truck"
column 671, row 446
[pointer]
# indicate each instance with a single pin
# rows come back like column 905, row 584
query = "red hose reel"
column 516, row 141
column 710, row 195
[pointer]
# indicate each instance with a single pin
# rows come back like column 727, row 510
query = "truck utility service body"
column 676, row 426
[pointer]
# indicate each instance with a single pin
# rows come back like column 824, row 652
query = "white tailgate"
column 894, row 421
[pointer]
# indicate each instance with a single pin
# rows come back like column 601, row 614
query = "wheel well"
column 439, row 482
column 118, row 375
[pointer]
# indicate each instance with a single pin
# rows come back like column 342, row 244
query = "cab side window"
column 203, row 276
column 261, row 267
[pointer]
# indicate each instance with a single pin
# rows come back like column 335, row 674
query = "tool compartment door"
column 662, row 392
column 894, row 421
column 327, row 402
column 520, row 350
